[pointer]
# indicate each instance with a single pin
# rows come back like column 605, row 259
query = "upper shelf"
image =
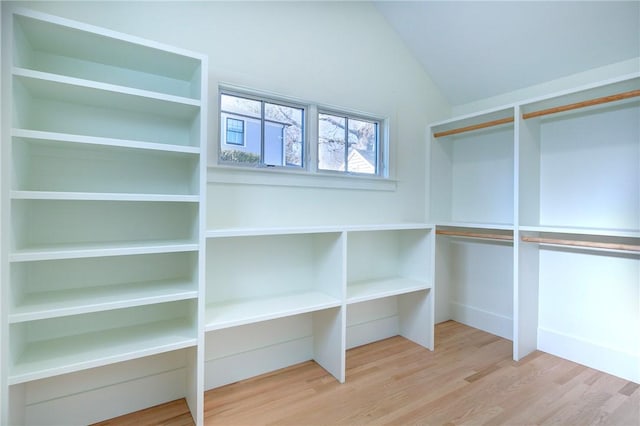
column 469, row 123
column 74, row 49
column 55, row 138
column 87, row 92
column 614, row 93
column 247, row 232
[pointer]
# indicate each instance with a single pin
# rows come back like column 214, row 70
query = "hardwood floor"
column 469, row 379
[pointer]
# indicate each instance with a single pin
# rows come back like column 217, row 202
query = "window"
column 235, row 131
column 348, row 144
column 261, row 132
column 267, row 132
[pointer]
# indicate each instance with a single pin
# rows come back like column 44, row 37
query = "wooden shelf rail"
column 583, row 104
column 578, row 243
column 473, row 127
column 486, row 235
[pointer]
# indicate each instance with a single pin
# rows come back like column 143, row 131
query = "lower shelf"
column 52, row 304
column 362, row 291
column 240, row 312
column 64, row 355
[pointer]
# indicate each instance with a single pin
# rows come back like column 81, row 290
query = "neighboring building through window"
column 258, row 131
column 235, row 131
column 348, row 144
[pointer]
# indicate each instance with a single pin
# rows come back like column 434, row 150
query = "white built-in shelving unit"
column 568, row 201
column 278, row 296
column 103, row 183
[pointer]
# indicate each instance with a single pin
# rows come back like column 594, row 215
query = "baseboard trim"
column 490, row 322
column 591, row 354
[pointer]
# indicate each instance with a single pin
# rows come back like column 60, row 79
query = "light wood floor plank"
column 470, row 379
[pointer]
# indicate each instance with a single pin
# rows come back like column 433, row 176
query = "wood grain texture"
column 583, row 104
column 478, row 126
column 469, row 379
column 580, row 243
column 487, row 235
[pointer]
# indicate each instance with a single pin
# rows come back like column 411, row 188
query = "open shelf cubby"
column 53, row 225
column 472, row 172
column 54, row 288
column 385, row 263
column 45, row 348
column 288, row 275
column 65, row 48
column 58, row 166
column 580, row 168
column 61, row 106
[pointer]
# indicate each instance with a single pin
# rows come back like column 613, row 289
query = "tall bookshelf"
column 104, row 160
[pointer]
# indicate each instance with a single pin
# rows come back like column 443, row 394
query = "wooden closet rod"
column 589, row 244
column 590, row 102
column 475, row 235
column 473, row 127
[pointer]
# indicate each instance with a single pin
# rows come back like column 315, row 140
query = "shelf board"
column 243, row 232
column 52, row 304
column 63, row 37
column 86, row 92
column 624, row 233
column 477, row 225
column 362, row 291
column 247, row 311
column 53, row 138
column 71, row 251
column 74, row 353
column 102, row 196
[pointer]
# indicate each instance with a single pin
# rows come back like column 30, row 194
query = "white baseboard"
column 490, row 322
column 618, row 363
column 229, row 369
column 372, row 331
column 108, row 402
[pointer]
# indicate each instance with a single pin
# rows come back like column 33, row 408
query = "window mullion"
column 346, row 144
column 262, row 133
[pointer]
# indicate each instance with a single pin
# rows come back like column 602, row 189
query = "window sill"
column 282, row 177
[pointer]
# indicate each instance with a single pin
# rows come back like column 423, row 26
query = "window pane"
column 284, row 134
column 238, row 105
column 331, row 149
column 363, row 147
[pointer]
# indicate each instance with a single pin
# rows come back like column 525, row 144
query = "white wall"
column 565, row 83
column 335, row 53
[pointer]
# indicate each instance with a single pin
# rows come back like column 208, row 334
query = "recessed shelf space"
column 387, row 263
column 88, row 53
column 46, row 166
column 472, row 172
column 254, row 278
column 54, row 288
column 580, row 168
column 43, row 228
column 51, row 347
column 53, row 106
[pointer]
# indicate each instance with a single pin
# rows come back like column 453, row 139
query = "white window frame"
column 309, row 175
column 380, row 166
column 259, row 97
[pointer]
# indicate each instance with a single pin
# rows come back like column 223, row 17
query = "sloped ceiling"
column 478, row 49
